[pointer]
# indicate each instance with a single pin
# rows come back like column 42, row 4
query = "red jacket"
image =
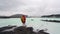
column 23, row 19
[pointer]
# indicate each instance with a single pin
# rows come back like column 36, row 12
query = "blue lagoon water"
column 36, row 23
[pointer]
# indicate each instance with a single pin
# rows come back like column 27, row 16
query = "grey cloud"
column 9, row 4
column 30, row 7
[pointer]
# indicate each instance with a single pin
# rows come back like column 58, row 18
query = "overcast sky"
column 29, row 7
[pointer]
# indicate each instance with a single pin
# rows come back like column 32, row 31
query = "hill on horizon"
column 13, row 16
column 53, row 15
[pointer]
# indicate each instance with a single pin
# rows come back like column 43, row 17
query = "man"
column 23, row 19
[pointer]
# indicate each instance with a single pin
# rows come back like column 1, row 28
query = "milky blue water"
column 36, row 23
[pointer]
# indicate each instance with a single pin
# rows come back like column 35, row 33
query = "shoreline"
column 20, row 30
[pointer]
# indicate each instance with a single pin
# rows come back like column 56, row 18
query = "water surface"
column 36, row 23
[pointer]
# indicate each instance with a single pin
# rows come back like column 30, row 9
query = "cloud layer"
column 29, row 7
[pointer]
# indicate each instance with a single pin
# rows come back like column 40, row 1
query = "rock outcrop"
column 20, row 30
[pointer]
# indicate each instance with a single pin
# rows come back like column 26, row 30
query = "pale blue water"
column 53, row 28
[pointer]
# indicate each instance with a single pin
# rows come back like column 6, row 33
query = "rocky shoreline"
column 19, row 30
column 56, row 21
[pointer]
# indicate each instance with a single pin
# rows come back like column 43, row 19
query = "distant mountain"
column 4, row 17
column 13, row 16
column 17, row 16
column 53, row 15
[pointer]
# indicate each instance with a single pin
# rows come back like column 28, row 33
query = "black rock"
column 42, row 32
column 21, row 30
